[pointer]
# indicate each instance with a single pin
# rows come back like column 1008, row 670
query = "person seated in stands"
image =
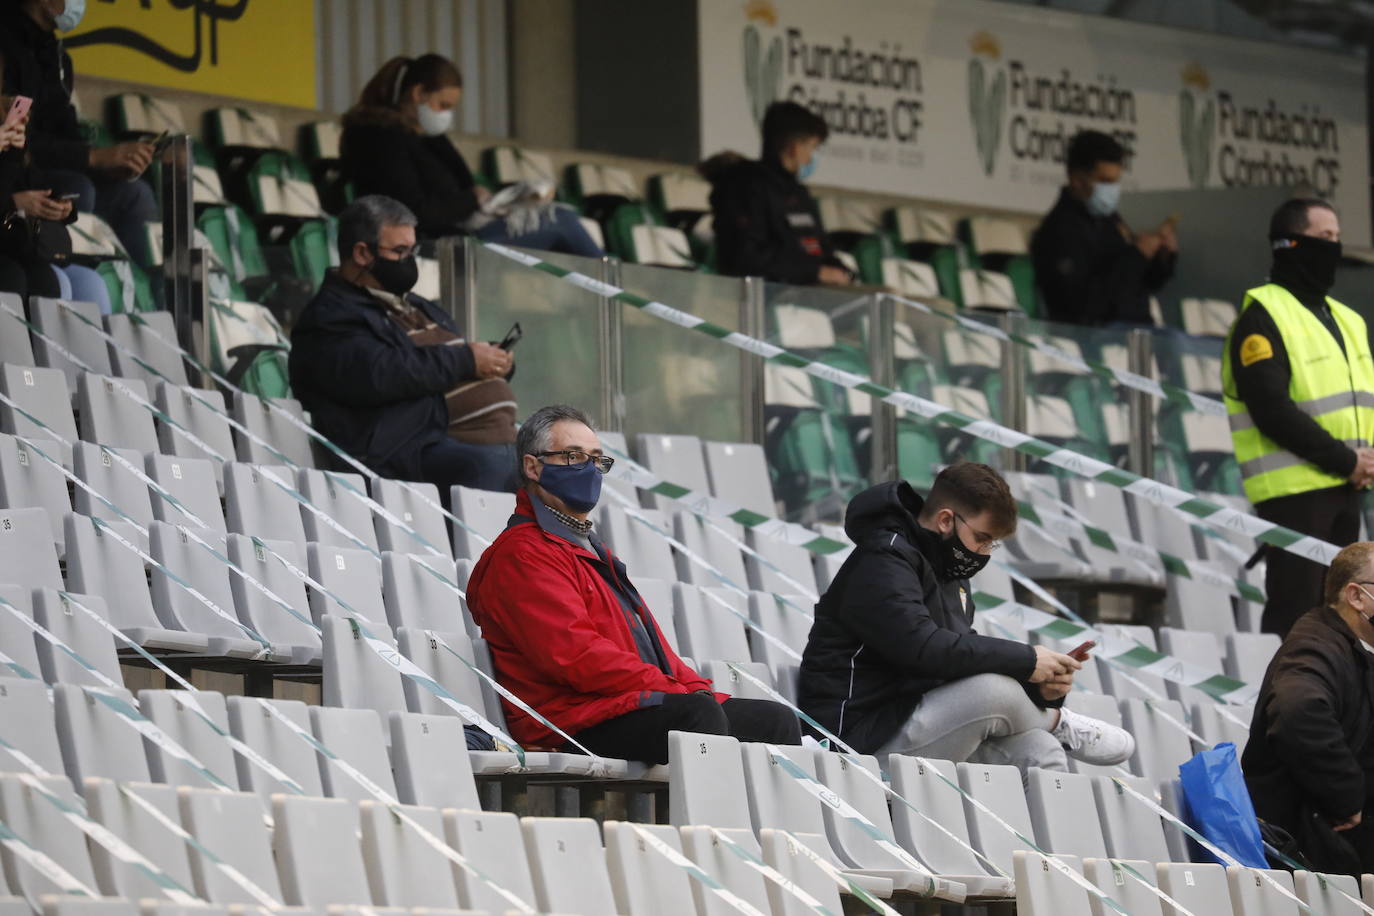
column 1090, row 267
column 893, row 665
column 568, row 632
column 395, row 142
column 766, row 222
column 1309, row 763
column 384, row 372
column 35, row 65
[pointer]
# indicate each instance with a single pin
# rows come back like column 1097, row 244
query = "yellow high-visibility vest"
column 1335, row 388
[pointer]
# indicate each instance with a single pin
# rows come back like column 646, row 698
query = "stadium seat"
column 568, row 864
column 355, row 677
column 256, row 727
column 999, row 788
column 849, row 219
column 107, row 805
column 784, row 855
column 1109, row 876
column 1219, row 722
column 265, row 423
column 1000, row 245
column 484, row 516
column 415, row 597
column 96, row 740
column 406, row 501
column 287, row 633
column 1207, row 317
column 508, row 164
column 1199, row 648
column 27, row 555
column 353, row 579
column 43, row 408
column 28, row 481
column 643, row 879
column 987, row 289
column 494, row 844
column 1131, row 830
column 1159, row 745
column 597, row 190
column 26, row 715
column 645, row 553
column 44, row 827
column 705, row 628
column 136, row 115
column 331, row 493
column 170, row 711
column 95, row 465
column 1126, row 683
column 56, row 321
column 711, row 540
column 402, row 869
column 788, row 618
column 1323, row 893
column 357, row 737
column 183, row 408
column 319, row 859
column 1202, row 888
column 658, row 246
column 727, row 680
column 82, row 635
column 1042, row 890
column 137, row 338
column 703, row 847
column 231, row 828
column 191, row 482
column 320, row 144
column 1248, row 655
column 255, row 505
column 1254, row 896
column 430, row 759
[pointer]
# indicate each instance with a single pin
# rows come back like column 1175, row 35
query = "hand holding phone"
column 1081, row 652
column 18, row 109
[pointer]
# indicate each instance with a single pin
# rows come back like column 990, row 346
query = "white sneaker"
column 1092, row 740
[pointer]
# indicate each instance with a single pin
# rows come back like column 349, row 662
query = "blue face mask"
column 71, row 17
column 577, row 485
column 1104, row 198
column 809, row 169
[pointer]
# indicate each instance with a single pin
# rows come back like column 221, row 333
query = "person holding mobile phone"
column 893, row 664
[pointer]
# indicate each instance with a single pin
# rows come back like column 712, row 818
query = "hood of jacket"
column 893, row 506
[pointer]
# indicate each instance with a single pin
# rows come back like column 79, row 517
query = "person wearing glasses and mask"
column 1309, row 763
column 1092, row 269
column 395, row 142
column 570, row 635
column 893, row 665
column 384, row 373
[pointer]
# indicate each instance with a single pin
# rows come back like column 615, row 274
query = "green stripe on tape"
column 1174, row 565
column 1139, row 657
column 791, row 359
column 748, row 517
column 1219, row 685
column 1102, row 539
column 671, row 490
column 824, row 545
column 1061, row 629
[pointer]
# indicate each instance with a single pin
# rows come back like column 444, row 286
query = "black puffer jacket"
column 890, row 627
column 36, row 65
column 367, row 386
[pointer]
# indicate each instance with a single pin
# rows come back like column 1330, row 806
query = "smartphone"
column 512, row 337
column 18, row 108
column 1081, row 652
column 70, row 195
column 160, row 142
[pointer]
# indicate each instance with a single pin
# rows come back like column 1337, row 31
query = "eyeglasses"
column 986, row 542
column 575, row 457
column 400, row 251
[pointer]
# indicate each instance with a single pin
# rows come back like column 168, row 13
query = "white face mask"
column 433, row 123
column 1105, row 197
column 71, row 16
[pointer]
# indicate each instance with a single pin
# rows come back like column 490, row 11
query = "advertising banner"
column 974, row 102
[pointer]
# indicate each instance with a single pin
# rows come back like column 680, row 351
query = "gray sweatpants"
column 986, row 718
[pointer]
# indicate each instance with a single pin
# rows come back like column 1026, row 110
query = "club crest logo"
column 762, row 58
column 1197, row 119
column 987, row 97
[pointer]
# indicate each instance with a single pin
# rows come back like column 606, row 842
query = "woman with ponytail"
column 395, row 143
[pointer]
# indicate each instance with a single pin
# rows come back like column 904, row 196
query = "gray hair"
column 536, row 433
column 362, row 221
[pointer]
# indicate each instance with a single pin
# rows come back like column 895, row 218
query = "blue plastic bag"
column 1220, row 805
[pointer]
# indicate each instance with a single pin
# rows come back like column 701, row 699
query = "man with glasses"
column 384, row 373
column 893, row 665
column 568, row 632
column 1309, row 763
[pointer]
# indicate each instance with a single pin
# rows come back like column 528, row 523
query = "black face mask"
column 1305, row 263
column 959, row 562
column 396, row 277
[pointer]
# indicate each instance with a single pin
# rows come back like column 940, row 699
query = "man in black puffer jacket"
column 893, row 665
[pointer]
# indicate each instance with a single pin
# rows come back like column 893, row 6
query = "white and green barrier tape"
column 1155, row 491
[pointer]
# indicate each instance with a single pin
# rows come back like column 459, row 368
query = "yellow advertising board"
column 263, row 50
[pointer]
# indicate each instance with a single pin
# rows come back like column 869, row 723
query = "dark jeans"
column 564, row 233
column 1293, row 584
column 128, row 206
column 643, row 734
column 448, row 463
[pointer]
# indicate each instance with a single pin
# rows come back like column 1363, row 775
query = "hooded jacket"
column 37, row 66
column 891, row 627
column 561, row 637
column 366, row 385
column 382, row 153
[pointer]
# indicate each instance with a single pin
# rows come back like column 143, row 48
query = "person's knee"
column 995, row 693
column 762, row 720
column 695, row 712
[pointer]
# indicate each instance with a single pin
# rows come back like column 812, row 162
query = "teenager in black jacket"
column 893, row 665
column 395, row 144
column 766, row 222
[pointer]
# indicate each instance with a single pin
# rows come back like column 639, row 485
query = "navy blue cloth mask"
column 577, row 485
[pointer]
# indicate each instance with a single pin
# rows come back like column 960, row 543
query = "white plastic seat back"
column 910, row 278
column 27, row 480
column 331, row 494
column 402, row 869
column 110, row 417
column 785, row 853
column 1160, row 745
column 482, row 511
column 56, row 322
column 110, row 807
column 644, row 551
column 26, row 723
column 704, row 848
column 849, row 842
column 423, row 647
column 725, row 677
column 44, row 407
column 27, row 554
column 1323, row 893
column 273, row 622
column 739, row 473
column 1202, row 649
column 939, row 802
column 406, row 501
column 662, row 246
column 179, row 609
column 1254, row 896
column 1126, row 683
column 643, row 879
column 1248, row 655
column 353, row 577
column 494, row 843
column 1207, row 317
column 84, row 636
column 315, row 843
column 999, row 788
column 706, row 781
column 184, row 407
column 192, row 482
column 260, row 416
column 568, row 864
column 1049, row 795
column 1042, row 890
column 94, row 738
column 987, row 289
column 356, row 736
column 706, row 629
column 677, row 458
column 356, row 677
column 232, row 828
column 1110, row 877
column 43, row 826
column 1201, row 888
column 255, row 505
column 171, row 711
column 15, row 347
column 714, row 540
column 137, row 337
column 416, row 594
column 96, row 466
column 780, row 567
column 430, row 761
column 786, row 617
column 256, row 727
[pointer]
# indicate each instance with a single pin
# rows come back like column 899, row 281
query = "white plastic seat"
column 1048, row 795
column 137, row 339
column 1131, row 830
column 778, row 559
column 26, row 722
column 644, row 881
column 257, row 416
column 785, row 855
column 416, row 597
column 192, row 482
column 716, row 859
column 658, row 599
column 1207, row 317
column 1200, row 607
column 1159, row 745
column 676, row 458
column 1248, row 655
column 786, row 617
column 405, row 502
column 170, row 711
column 55, row 320
column 706, row 781
column 1110, row 877
column 645, row 553
column 232, row 828
column 255, row 505
column 707, row 539
column 1202, row 649
column 1124, row 682
column 98, row 564
column 738, row 472
column 1323, row 893
column 998, row 788
column 83, row 635
column 1251, row 895
column 27, row 554
column 355, row 736
column 1042, row 890
column 355, row 677
column 182, row 407
column 110, row 417
column 27, row 480
column 568, row 865
column 43, row 826
column 259, row 729
column 58, row 905
column 430, row 761
column 107, row 805
column 319, row 859
column 351, row 576
column 494, row 844
column 726, row 679
column 1219, row 722
column 1201, row 888
column 179, row 609
column 706, row 629
column 14, row 346
column 287, row 633
column 910, row 278
column 330, row 493
column 96, row 465
column 44, row 409
column 402, row 869
column 484, row 512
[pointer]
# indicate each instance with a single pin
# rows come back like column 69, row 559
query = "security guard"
column 1299, row 388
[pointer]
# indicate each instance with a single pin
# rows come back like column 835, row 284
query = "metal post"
column 1141, row 448
column 612, row 352
column 178, row 228
column 199, row 286
column 752, row 323
column 882, row 367
column 458, row 282
column 1013, row 386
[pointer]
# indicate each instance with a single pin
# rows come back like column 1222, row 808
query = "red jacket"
column 558, row 637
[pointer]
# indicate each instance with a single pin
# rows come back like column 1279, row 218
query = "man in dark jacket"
column 893, row 665
column 1309, row 763
column 766, row 223
column 1091, row 268
column 383, row 371
column 35, row 65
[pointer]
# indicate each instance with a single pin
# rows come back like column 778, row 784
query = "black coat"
column 368, row 388
column 382, row 154
column 38, row 67
column 1310, row 740
column 767, row 225
column 891, row 627
column 1090, row 271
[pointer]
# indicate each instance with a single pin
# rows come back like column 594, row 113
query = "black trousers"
column 1293, row 584
column 643, row 734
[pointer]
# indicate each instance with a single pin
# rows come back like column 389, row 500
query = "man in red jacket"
column 568, row 632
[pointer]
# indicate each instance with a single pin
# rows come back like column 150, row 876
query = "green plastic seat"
column 129, row 286
column 314, row 249
column 234, row 239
